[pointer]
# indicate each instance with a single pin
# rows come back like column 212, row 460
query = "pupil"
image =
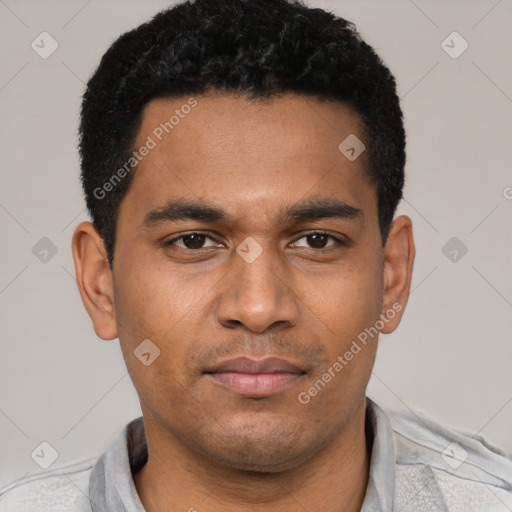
column 196, row 244
column 316, row 238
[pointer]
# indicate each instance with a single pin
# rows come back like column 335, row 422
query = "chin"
column 268, row 450
column 262, row 463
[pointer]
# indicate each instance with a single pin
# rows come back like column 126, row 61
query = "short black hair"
column 255, row 48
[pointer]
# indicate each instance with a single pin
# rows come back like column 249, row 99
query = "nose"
column 258, row 295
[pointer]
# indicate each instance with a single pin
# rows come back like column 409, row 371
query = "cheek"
column 348, row 303
column 153, row 312
column 347, row 300
column 151, row 299
column 148, row 305
column 166, row 306
column 349, row 312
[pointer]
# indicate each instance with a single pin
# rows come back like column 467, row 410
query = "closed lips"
column 248, row 365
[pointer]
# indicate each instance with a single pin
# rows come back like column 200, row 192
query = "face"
column 248, row 253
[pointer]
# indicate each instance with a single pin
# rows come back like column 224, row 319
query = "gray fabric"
column 379, row 491
column 111, row 484
column 411, row 470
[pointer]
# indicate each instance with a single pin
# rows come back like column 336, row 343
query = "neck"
column 173, row 478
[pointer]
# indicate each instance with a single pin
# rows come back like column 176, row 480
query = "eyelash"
column 338, row 241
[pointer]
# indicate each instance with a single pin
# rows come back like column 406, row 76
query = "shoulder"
column 446, row 467
column 63, row 487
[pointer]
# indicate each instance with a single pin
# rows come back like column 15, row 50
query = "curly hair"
column 255, row 48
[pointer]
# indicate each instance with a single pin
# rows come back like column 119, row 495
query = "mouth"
column 255, row 378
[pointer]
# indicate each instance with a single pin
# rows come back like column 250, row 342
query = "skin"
column 301, row 299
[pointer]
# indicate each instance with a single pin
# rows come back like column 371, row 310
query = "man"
column 242, row 162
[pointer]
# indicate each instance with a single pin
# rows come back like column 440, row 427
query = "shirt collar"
column 381, row 482
column 111, row 485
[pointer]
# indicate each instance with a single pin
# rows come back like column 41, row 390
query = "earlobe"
column 94, row 279
column 399, row 254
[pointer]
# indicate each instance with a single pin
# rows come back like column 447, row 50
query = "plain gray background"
column 452, row 354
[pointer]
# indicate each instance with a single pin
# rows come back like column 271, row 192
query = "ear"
column 94, row 279
column 399, row 253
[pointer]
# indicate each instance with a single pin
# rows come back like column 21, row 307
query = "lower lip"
column 256, row 384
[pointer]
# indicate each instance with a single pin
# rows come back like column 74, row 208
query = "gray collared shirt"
column 417, row 464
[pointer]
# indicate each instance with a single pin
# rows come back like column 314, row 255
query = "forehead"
column 247, row 155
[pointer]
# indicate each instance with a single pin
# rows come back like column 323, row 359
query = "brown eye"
column 192, row 241
column 319, row 240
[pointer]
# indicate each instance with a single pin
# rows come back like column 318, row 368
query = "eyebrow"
column 307, row 211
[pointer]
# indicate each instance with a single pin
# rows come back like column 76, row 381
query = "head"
column 242, row 162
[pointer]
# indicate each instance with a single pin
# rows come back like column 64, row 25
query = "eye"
column 191, row 241
column 196, row 241
column 319, row 240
